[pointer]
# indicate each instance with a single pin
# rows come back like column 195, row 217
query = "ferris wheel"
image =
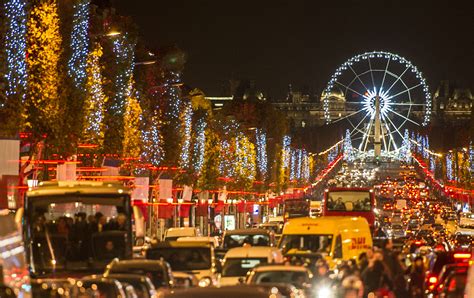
column 378, row 94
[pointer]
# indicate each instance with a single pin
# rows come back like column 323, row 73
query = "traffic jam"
column 365, row 234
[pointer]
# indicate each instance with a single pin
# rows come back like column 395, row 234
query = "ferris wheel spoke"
column 385, row 72
column 358, row 77
column 371, row 72
column 398, row 79
column 406, row 90
column 356, row 127
column 400, row 115
column 366, row 135
column 396, row 129
column 392, row 140
column 347, row 116
column 349, row 88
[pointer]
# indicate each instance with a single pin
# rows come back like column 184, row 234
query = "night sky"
column 302, row 42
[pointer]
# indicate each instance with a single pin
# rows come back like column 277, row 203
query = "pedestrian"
column 396, row 269
column 417, row 278
column 375, row 279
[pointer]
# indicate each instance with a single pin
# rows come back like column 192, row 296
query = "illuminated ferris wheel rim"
column 378, row 69
column 386, row 55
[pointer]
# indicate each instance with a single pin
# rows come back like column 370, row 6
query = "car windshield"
column 296, row 278
column 183, row 258
column 348, row 201
column 76, row 233
column 306, row 243
column 156, row 275
column 240, row 266
column 397, row 227
column 463, row 238
column 231, row 241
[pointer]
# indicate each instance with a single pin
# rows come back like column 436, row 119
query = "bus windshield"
column 76, row 233
column 349, row 201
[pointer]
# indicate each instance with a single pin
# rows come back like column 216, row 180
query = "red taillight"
column 432, row 280
column 462, row 255
column 418, row 242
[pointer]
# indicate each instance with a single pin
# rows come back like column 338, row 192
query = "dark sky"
column 303, row 42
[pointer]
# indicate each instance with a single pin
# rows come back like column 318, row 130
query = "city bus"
column 350, row 201
column 71, row 229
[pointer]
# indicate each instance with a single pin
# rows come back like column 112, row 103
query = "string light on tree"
column 305, row 172
column 471, row 158
column 94, row 105
column 124, row 52
column 292, row 165
column 286, row 154
column 432, row 163
column 42, row 101
column 348, row 149
column 152, row 141
column 186, row 125
column 199, row 145
column 15, row 46
column 449, row 166
column 261, row 142
column 405, row 150
column 79, row 43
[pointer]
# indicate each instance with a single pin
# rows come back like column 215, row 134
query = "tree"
column 43, row 55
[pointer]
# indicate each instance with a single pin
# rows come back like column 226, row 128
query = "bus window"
column 71, row 232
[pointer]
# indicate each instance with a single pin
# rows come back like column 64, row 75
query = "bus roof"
column 323, row 225
column 78, row 187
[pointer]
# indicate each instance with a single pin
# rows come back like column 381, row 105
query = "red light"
column 432, row 279
column 418, row 242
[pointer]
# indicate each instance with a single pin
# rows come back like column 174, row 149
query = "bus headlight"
column 205, row 282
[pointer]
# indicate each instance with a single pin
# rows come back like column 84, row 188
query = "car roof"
column 128, row 276
column 247, row 232
column 280, row 268
column 225, row 291
column 251, row 251
column 139, row 263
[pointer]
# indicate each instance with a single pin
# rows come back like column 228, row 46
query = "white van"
column 172, row 234
column 238, row 261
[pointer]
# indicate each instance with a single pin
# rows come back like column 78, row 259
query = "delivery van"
column 333, row 238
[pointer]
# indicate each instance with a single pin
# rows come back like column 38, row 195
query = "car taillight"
column 432, row 279
column 462, row 255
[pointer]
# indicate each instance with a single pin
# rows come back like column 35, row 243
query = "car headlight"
column 323, row 292
column 205, row 282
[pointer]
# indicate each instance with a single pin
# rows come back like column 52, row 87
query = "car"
column 240, row 260
column 142, row 284
column 51, row 287
column 462, row 241
column 239, row 237
column 397, row 231
column 158, row 271
column 172, row 234
column 443, row 275
column 297, row 276
column 239, row 291
column 454, row 285
column 98, row 286
column 193, row 257
column 184, row 280
column 440, row 259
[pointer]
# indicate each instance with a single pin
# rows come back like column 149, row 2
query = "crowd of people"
column 380, row 272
